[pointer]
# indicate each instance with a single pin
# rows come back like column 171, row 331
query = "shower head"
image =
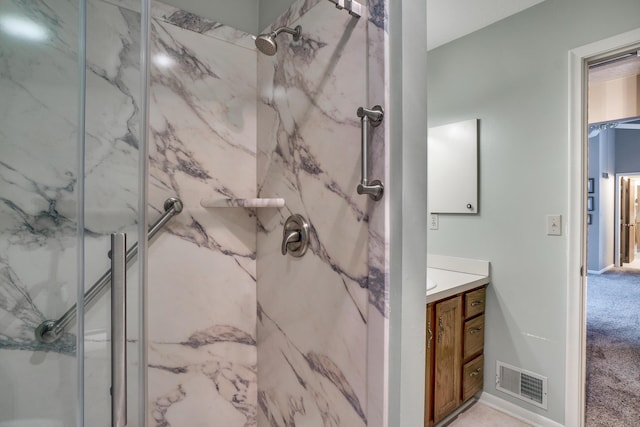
column 266, row 43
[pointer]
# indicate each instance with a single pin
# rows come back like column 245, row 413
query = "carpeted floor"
column 613, row 349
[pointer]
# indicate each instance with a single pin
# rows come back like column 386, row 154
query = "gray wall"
column 613, row 151
column 240, row 14
column 513, row 77
column 627, row 151
column 604, row 199
column 270, row 10
column 408, row 180
column 593, row 237
column 251, row 16
column 601, row 231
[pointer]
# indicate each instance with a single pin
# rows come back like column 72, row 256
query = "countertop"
column 455, row 275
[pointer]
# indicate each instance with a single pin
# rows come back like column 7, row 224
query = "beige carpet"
column 613, row 349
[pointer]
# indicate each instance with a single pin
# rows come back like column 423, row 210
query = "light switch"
column 554, row 225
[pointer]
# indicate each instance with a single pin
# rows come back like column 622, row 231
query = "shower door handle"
column 118, row 330
column 369, row 117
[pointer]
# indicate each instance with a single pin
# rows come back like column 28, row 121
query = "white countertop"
column 450, row 283
column 458, row 275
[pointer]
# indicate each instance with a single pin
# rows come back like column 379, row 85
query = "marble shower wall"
column 202, row 271
column 314, row 334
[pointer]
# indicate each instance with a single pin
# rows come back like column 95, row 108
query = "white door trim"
column 576, row 313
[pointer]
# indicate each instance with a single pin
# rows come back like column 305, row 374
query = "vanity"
column 456, row 290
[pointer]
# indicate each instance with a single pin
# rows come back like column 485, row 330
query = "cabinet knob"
column 476, row 372
column 476, row 303
column 474, row 330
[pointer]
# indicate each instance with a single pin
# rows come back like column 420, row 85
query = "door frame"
column 575, row 373
column 618, row 202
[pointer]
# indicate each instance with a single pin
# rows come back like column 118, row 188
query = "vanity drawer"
column 472, row 377
column 473, row 337
column 474, row 303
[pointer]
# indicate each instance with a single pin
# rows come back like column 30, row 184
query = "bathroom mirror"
column 452, row 153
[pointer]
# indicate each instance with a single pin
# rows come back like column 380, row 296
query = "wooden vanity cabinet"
column 455, row 346
column 473, row 343
column 428, row 399
column 448, row 357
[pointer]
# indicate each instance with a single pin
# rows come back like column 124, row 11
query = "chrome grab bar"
column 373, row 117
column 118, row 330
column 50, row 330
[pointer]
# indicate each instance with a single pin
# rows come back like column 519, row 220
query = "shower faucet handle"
column 295, row 236
column 291, row 237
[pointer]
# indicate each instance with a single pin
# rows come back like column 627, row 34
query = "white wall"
column 513, row 77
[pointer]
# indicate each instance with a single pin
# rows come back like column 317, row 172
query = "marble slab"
column 313, row 311
column 202, row 269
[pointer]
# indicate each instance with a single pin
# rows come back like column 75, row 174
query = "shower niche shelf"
column 242, row 203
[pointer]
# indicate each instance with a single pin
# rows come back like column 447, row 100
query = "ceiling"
column 448, row 20
column 616, row 70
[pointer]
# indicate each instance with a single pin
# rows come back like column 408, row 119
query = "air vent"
column 522, row 384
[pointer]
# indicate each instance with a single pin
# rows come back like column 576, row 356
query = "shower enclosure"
column 221, row 327
column 70, row 118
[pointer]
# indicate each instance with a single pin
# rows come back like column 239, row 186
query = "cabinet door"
column 428, row 407
column 448, row 357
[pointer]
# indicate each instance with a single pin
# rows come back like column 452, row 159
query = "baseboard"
column 607, row 268
column 516, row 411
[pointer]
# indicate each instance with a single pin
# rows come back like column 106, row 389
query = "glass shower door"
column 70, row 176
column 112, row 203
column 40, row 235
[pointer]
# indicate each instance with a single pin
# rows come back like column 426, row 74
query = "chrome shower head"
column 266, row 43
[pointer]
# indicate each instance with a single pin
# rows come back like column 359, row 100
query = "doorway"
column 576, row 356
column 628, row 219
column 613, row 341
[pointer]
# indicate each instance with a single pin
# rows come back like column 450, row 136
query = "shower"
column 238, row 142
column 266, row 43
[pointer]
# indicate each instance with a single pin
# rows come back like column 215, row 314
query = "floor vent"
column 522, row 384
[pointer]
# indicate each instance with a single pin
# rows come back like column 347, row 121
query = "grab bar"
column 368, row 117
column 50, row 330
column 118, row 330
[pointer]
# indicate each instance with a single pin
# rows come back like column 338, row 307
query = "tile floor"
column 481, row 415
